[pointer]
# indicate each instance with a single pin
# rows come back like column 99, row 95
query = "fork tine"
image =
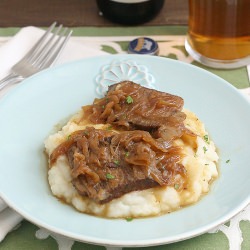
column 49, row 48
column 55, row 51
column 44, row 47
column 39, row 43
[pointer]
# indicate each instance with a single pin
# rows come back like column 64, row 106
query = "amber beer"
column 219, row 32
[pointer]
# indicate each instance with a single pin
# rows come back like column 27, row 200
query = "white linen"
column 10, row 53
column 248, row 72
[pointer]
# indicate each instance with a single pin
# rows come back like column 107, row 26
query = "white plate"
column 29, row 113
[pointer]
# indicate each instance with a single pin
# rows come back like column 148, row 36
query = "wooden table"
column 19, row 13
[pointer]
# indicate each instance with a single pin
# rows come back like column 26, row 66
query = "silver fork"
column 42, row 55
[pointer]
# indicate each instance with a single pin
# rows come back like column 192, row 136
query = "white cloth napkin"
column 18, row 46
column 12, row 52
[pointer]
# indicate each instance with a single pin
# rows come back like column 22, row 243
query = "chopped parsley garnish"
column 176, row 186
column 68, row 137
column 129, row 99
column 126, row 154
column 123, row 117
column 227, row 161
column 109, row 127
column 110, row 176
column 129, row 219
column 204, row 149
column 206, row 139
column 116, row 162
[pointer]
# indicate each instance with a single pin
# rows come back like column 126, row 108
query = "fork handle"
column 10, row 79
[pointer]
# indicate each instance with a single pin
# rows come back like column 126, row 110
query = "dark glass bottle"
column 129, row 12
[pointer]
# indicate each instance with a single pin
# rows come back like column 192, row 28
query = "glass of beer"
column 219, row 32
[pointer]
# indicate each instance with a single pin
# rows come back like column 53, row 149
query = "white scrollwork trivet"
column 119, row 71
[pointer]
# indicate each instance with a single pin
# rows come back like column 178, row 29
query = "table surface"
column 16, row 13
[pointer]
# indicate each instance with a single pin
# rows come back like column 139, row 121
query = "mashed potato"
column 200, row 162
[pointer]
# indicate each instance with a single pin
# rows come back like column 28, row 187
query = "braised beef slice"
column 132, row 107
column 106, row 165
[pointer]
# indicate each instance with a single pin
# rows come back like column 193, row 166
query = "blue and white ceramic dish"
column 31, row 111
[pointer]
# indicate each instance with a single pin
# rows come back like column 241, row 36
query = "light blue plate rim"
column 172, row 76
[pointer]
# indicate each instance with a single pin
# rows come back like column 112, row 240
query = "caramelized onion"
column 117, row 163
column 107, row 164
